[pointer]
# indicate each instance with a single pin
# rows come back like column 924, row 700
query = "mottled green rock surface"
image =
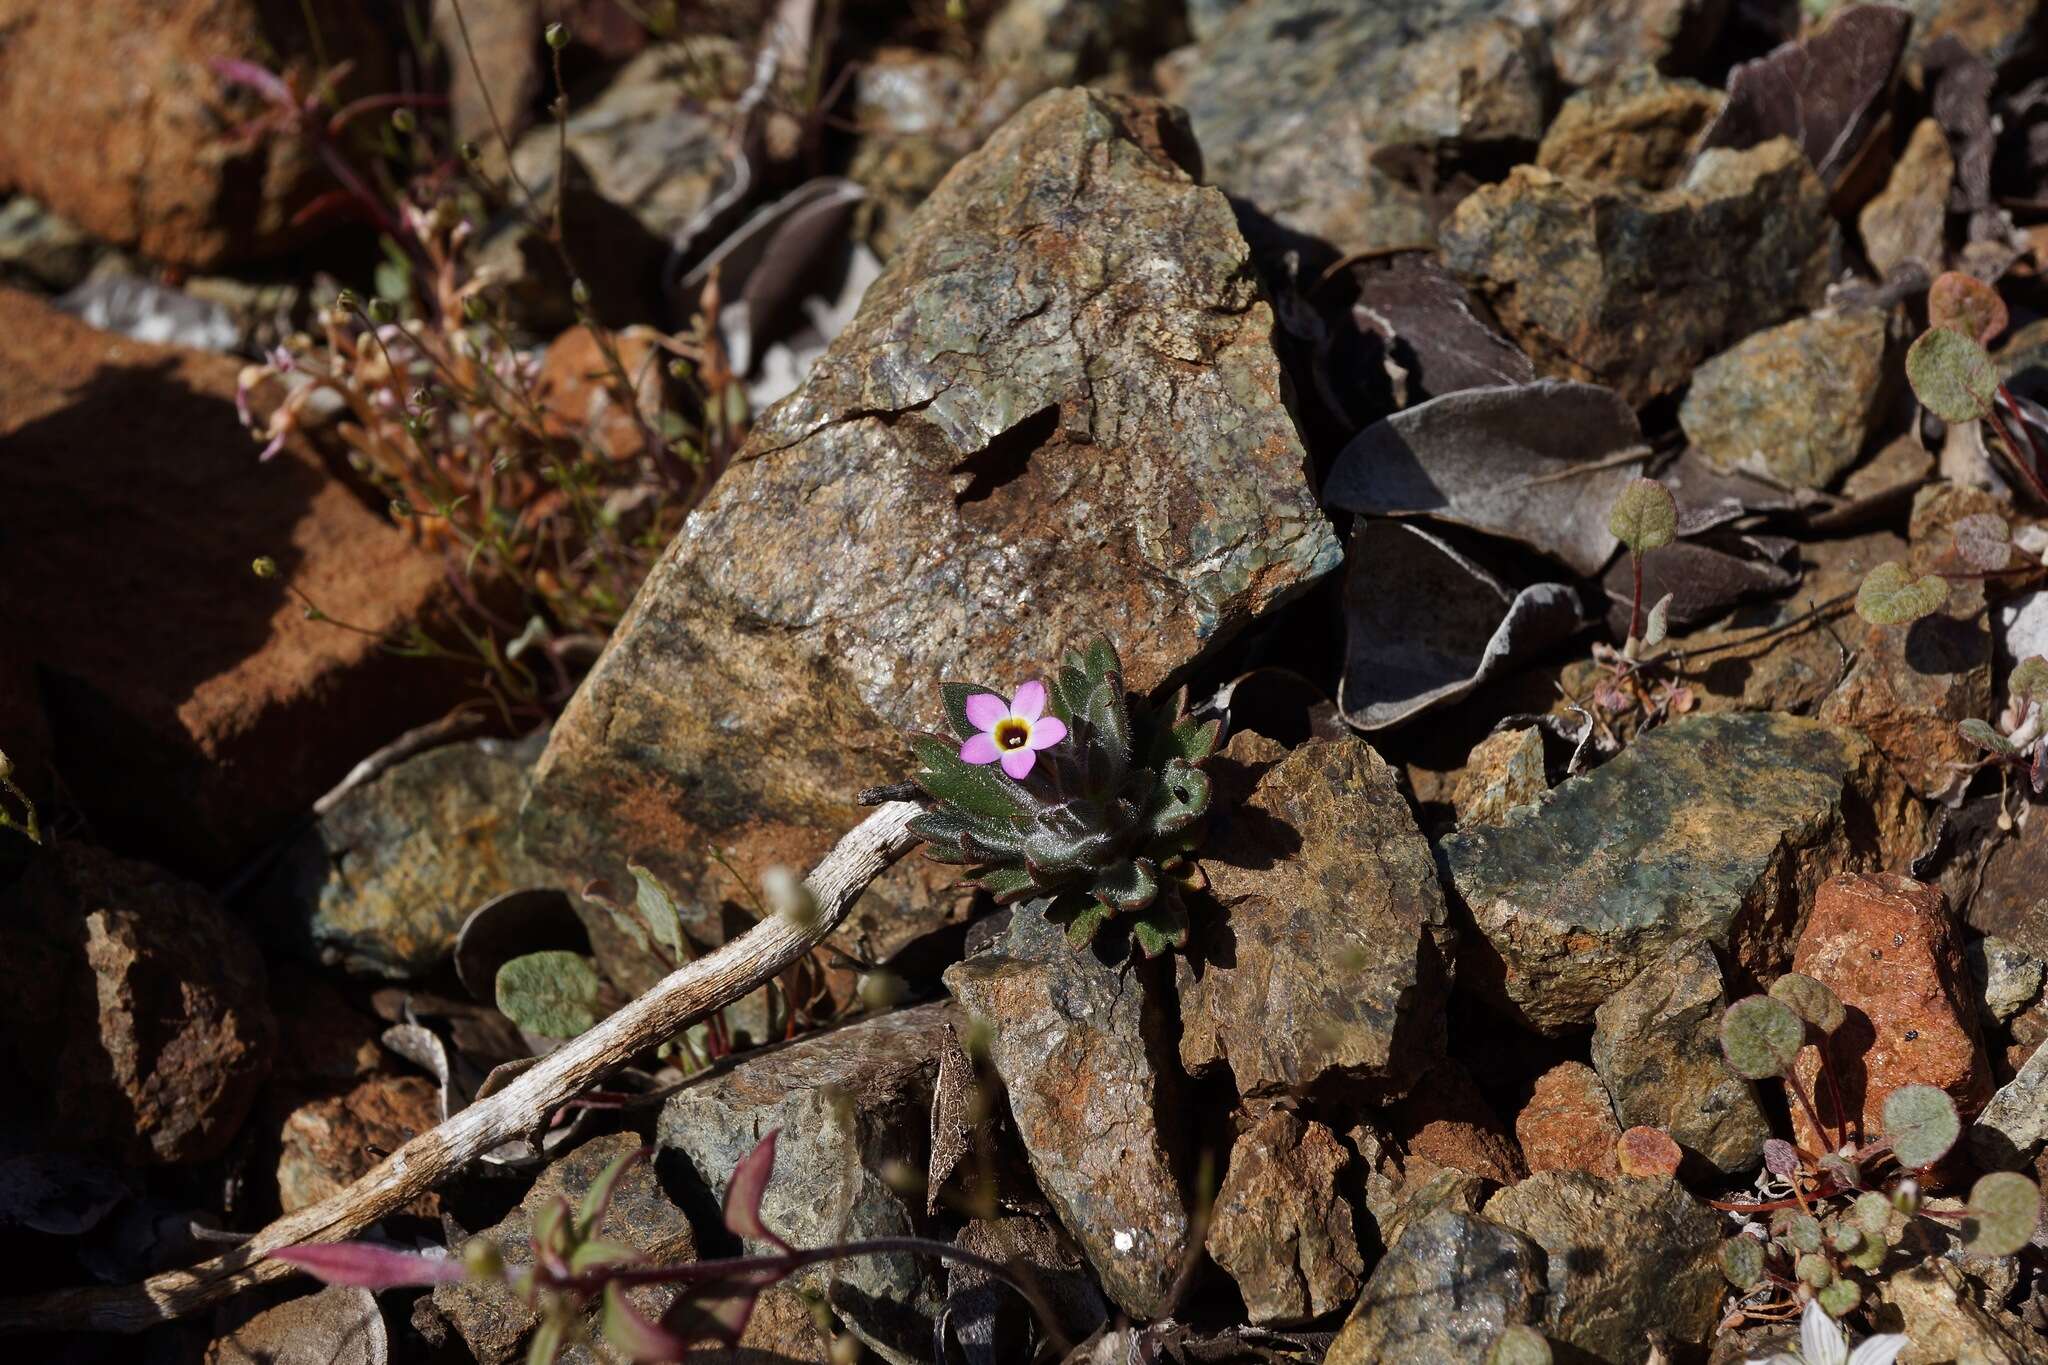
column 1795, row 403
column 1716, row 829
column 1058, row 412
column 1633, row 288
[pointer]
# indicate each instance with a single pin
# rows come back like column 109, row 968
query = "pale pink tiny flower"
column 1013, row 731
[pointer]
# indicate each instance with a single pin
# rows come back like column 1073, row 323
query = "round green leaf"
column 2004, row 1210
column 1742, row 1261
column 1891, row 596
column 1872, row 1211
column 1814, row 1269
column 1964, row 303
column 1644, row 516
column 1922, row 1125
column 1984, row 736
column 2029, row 679
column 1839, row 1297
column 554, row 994
column 1810, row 1000
column 1519, row 1345
column 1984, row 541
column 1951, row 375
column 1802, row 1230
column 1846, row 1236
column 1760, row 1037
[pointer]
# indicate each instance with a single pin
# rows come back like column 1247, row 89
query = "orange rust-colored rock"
column 1446, row 1124
column 111, row 114
column 1645, row 1151
column 330, row 1142
column 1568, row 1124
column 1889, row 948
column 193, row 710
column 580, row 395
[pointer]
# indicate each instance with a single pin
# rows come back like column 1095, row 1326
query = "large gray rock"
column 1281, row 1227
column 1299, row 105
column 1623, row 1257
column 1330, row 958
column 1657, row 1045
column 382, row 881
column 1716, row 829
column 1081, row 1049
column 1445, row 1291
column 1058, row 412
column 1633, row 288
column 2013, row 1126
column 853, row 1105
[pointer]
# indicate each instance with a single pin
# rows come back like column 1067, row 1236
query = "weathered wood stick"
column 684, row 996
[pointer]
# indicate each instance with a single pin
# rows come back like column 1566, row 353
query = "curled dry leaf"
column 1449, row 627
column 1538, row 463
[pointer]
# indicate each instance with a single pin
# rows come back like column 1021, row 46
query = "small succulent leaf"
column 1891, row 596
column 976, row 789
column 657, row 910
column 1127, row 885
column 1983, row 540
column 955, row 695
column 2029, row 679
column 1007, row 884
column 1810, row 1000
column 1160, row 928
column 1963, row 303
column 2004, row 1210
column 1802, row 1230
column 1179, row 797
column 1846, row 1236
column 1645, row 516
column 1921, row 1124
column 598, row 1197
column 1658, row 623
column 1815, row 1269
column 1760, row 1037
column 1102, row 661
column 554, row 994
column 588, row 1256
column 1742, row 1261
column 1872, row 1212
column 1068, row 693
column 1839, row 1297
column 1111, row 720
column 1985, row 736
column 361, row 1265
column 1781, row 1158
column 1087, row 922
column 743, row 1193
column 1519, row 1344
column 632, row 1335
column 1952, row 375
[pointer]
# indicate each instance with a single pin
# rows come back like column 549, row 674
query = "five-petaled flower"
column 1013, row 731
column 1823, row 1342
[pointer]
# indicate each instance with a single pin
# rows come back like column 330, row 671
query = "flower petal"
column 1881, row 1349
column 1048, row 732
column 1029, row 701
column 980, row 749
column 1018, row 762
column 1821, row 1341
column 984, row 709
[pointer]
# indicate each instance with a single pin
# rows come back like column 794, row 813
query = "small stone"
column 132, row 1005
column 1636, row 130
column 1714, row 829
column 1644, row 1151
column 2007, row 902
column 1293, row 102
column 327, row 1144
column 1042, row 44
column 1082, row 1052
column 338, row 1325
column 384, row 878
column 1906, row 222
column 1795, row 403
column 1624, row 1258
column 1445, row 1291
column 987, row 1319
column 1597, row 41
column 1657, row 1045
column 1504, row 771
column 1579, row 273
column 1445, row 1123
column 1280, row 1228
column 494, row 1321
column 2014, row 1125
column 1568, row 1123
column 1888, row 947
column 1334, row 923
column 853, row 1105
column 2008, row 977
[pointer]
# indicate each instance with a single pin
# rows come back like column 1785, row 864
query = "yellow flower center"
column 1012, row 732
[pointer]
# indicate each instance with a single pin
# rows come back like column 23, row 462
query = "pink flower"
column 1012, row 731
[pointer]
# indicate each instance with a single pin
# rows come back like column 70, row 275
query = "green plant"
column 1644, row 518
column 1830, row 1223
column 1101, row 819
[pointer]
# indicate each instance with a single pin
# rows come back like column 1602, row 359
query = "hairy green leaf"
column 1810, row 1000
column 1161, row 927
column 978, row 789
column 554, row 994
column 1921, row 1124
column 1891, row 596
column 2029, row 680
column 1952, row 376
column 1760, row 1037
column 2004, row 1210
column 1645, row 516
column 1985, row 736
column 1742, row 1261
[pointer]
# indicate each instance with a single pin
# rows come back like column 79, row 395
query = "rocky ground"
column 490, row 483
